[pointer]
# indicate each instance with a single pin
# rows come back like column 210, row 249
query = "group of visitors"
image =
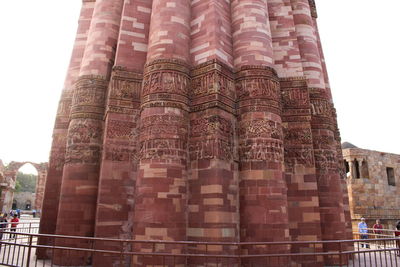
column 15, row 212
column 4, row 221
column 377, row 230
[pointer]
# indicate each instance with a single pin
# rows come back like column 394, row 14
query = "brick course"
column 205, row 120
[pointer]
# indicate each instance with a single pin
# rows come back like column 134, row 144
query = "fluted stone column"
column 161, row 187
column 325, row 149
column 213, row 179
column 57, row 154
column 77, row 209
column 40, row 185
column 300, row 173
column 263, row 191
column 119, row 163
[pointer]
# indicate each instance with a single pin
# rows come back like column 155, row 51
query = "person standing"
column 14, row 224
column 363, row 231
column 3, row 224
column 378, row 231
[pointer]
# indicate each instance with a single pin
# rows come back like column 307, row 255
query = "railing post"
column 121, row 253
column 340, row 254
column 240, row 254
column 28, row 260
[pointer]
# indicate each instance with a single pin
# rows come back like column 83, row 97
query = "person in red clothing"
column 378, row 231
column 378, row 227
column 14, row 224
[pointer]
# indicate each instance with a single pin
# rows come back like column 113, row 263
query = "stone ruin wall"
column 21, row 199
column 7, row 185
column 370, row 194
column 8, row 176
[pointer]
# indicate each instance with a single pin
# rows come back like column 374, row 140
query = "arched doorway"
column 28, row 205
column 14, row 205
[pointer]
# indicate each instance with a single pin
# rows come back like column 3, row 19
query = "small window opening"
column 364, row 169
column 357, row 165
column 390, row 176
column 347, row 166
column 27, row 205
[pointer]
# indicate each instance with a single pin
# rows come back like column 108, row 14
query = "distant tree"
column 27, row 182
column 17, row 186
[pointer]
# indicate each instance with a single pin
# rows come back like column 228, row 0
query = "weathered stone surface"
column 202, row 120
column 58, row 148
column 372, row 194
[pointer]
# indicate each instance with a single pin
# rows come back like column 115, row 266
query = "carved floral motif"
column 212, row 82
column 64, row 106
column 57, row 159
column 325, row 160
column 297, row 97
column 121, row 154
column 163, row 149
column 159, row 125
column 90, row 90
column 125, row 89
column 210, row 149
column 257, row 87
column 89, row 97
column 210, row 126
column 83, row 153
column 313, row 8
column 120, row 129
column 302, row 156
column 260, row 128
column 84, row 131
column 165, row 81
column 261, row 150
column 321, row 107
column 323, row 140
column 297, row 136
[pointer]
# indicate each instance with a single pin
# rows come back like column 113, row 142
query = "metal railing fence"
column 22, row 249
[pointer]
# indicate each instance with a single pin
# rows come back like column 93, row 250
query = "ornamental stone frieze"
column 202, row 120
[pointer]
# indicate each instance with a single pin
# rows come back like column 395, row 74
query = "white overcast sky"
column 361, row 41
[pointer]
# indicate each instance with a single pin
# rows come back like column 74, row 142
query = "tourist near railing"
column 378, row 232
column 21, row 251
column 22, row 227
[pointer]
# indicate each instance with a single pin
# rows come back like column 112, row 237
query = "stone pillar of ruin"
column 49, row 210
column 40, row 185
column 213, row 178
column 10, row 174
column 263, row 191
column 78, row 197
column 118, row 172
column 300, row 173
column 325, row 149
column 161, row 186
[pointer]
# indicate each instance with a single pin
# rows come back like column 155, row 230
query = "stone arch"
column 28, row 205
column 10, row 175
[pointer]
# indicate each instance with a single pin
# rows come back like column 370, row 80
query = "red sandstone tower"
column 205, row 120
